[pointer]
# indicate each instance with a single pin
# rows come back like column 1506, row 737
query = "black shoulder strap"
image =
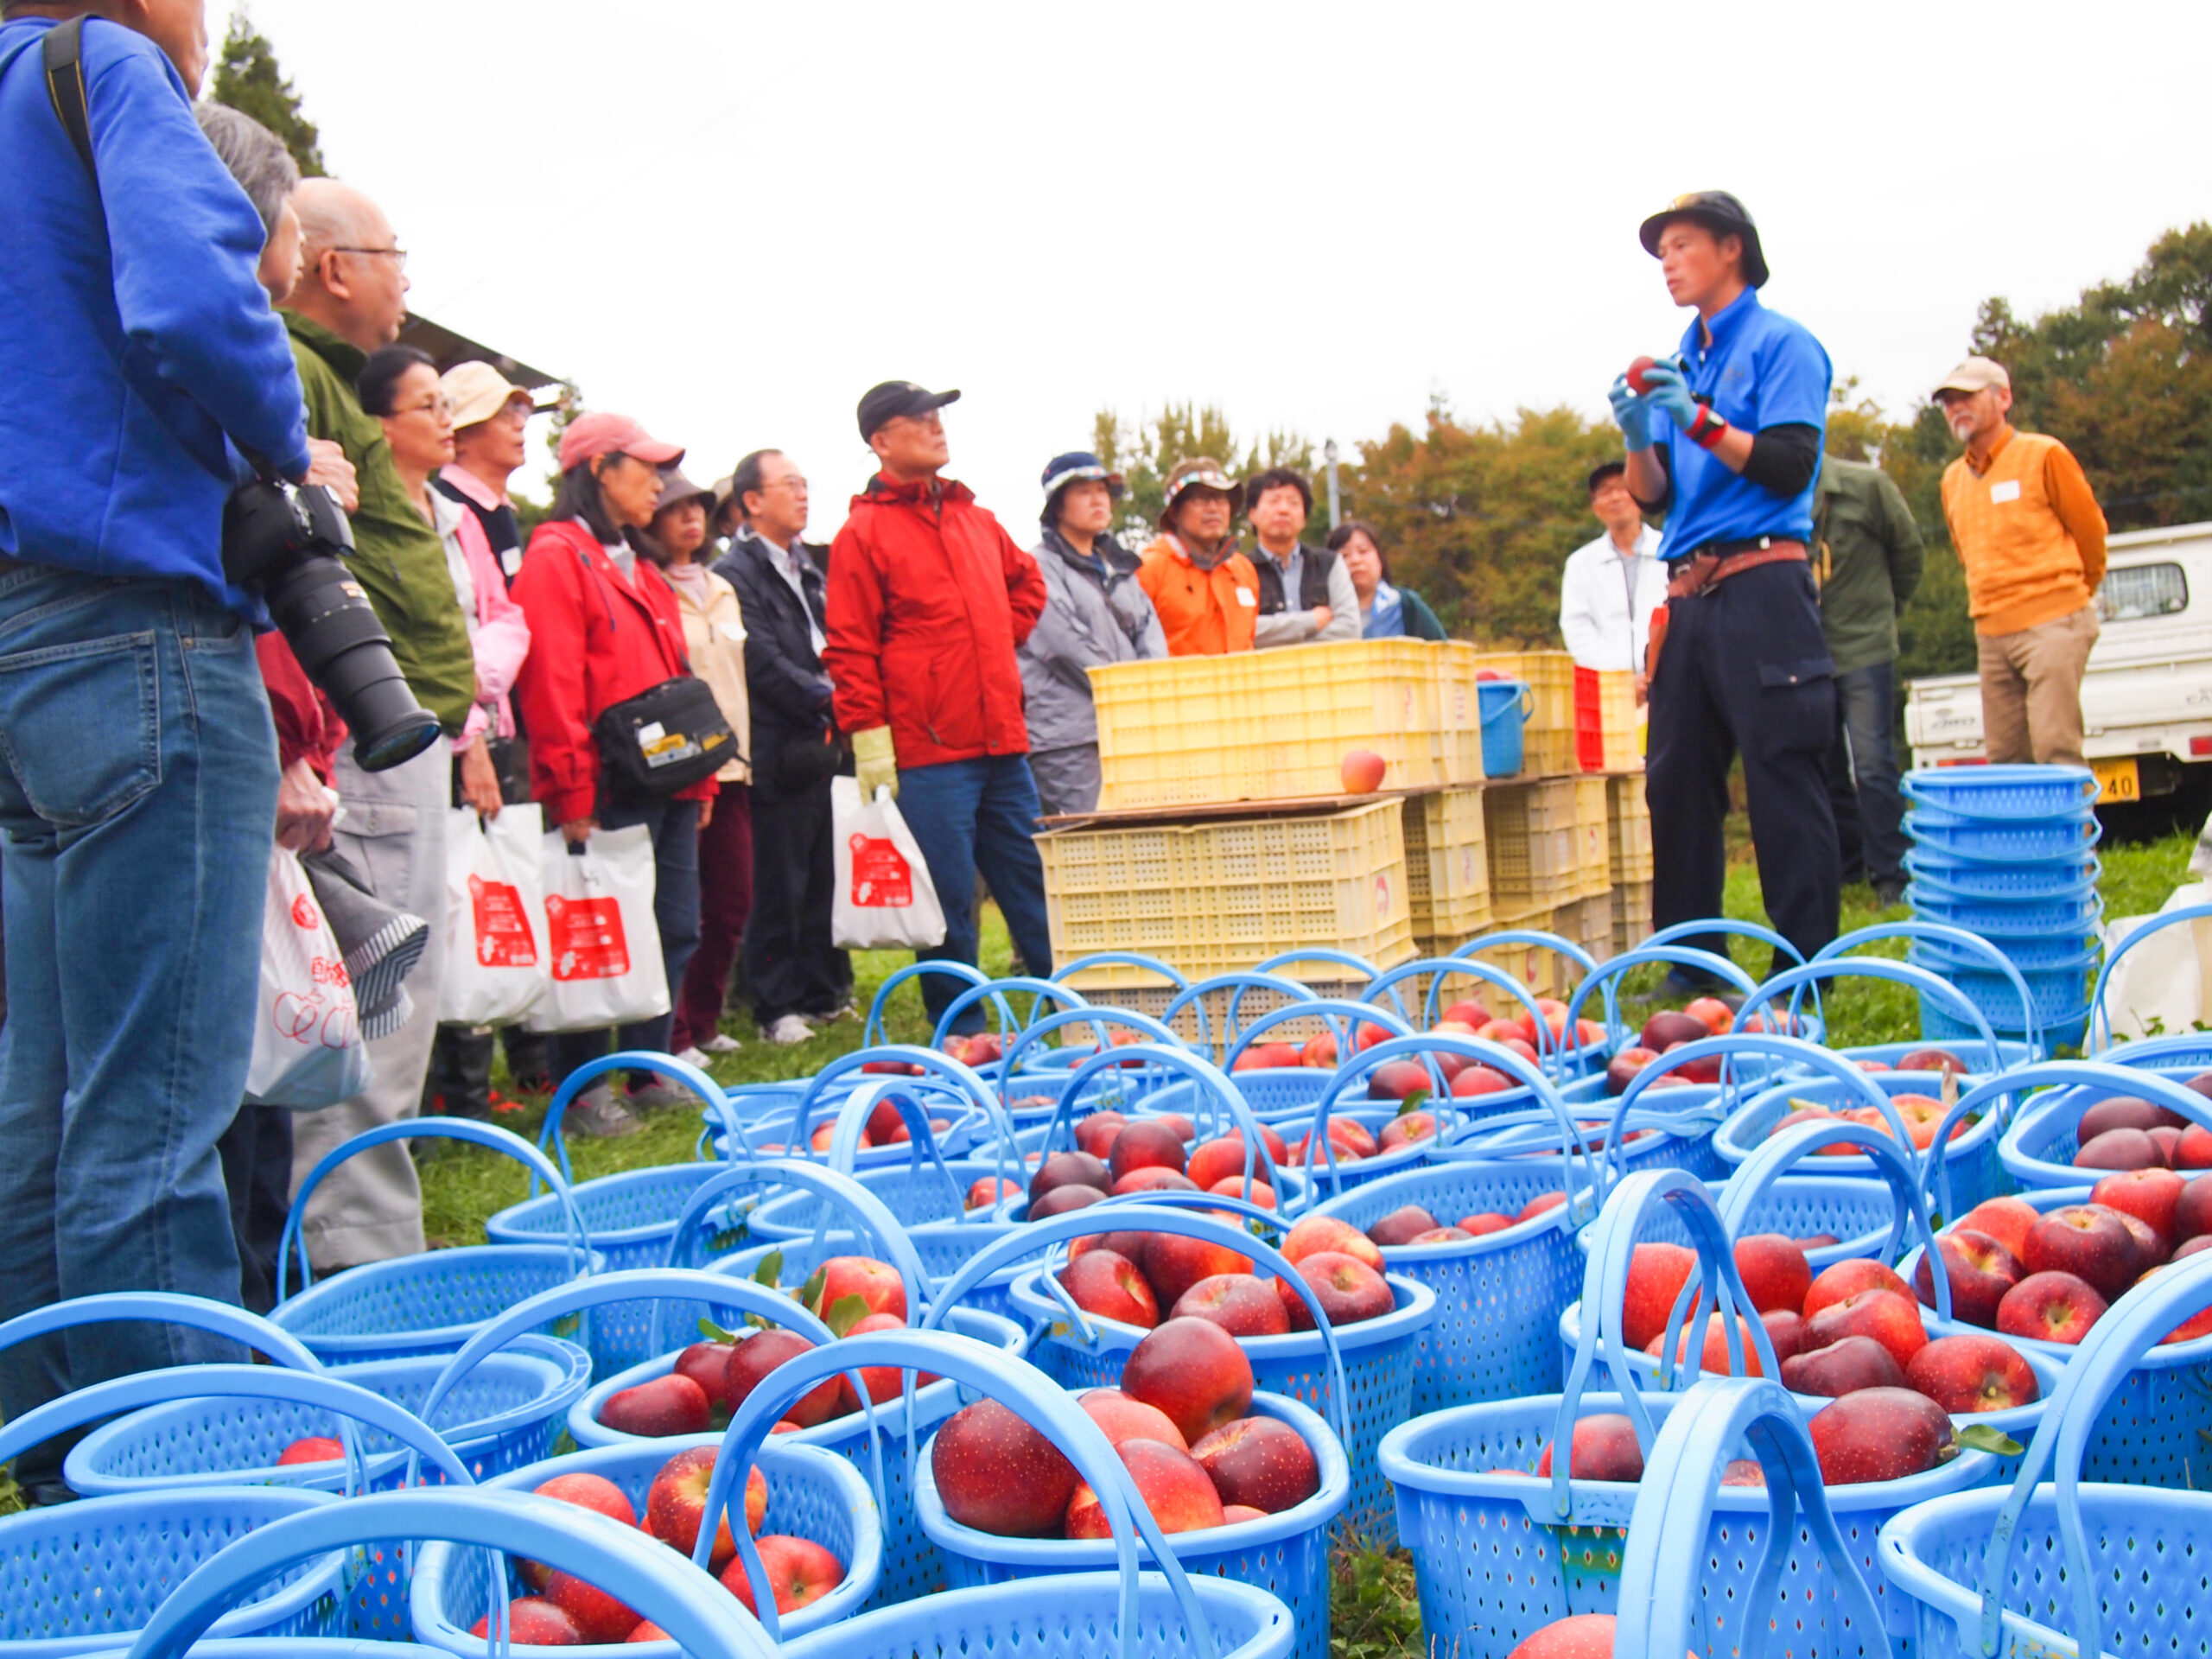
column 64, row 55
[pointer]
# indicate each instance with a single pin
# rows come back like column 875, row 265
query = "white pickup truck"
column 2146, row 700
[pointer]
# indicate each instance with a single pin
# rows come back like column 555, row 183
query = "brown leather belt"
column 1700, row 573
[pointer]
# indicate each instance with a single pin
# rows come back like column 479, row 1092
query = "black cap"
column 896, row 398
column 1604, row 470
column 1720, row 212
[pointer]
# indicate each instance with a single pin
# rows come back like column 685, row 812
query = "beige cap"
column 477, row 392
column 1973, row 375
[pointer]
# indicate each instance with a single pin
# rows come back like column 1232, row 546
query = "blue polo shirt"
column 1762, row 370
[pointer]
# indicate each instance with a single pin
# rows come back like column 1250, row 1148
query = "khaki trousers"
column 2031, row 690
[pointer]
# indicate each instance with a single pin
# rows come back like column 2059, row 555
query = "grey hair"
column 255, row 156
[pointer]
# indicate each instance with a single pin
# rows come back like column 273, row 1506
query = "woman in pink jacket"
column 399, row 384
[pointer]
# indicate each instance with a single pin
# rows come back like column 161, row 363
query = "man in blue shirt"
column 138, row 760
column 1726, row 440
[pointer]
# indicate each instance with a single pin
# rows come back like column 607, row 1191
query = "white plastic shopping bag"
column 495, row 917
column 602, row 946
column 307, row 1047
column 884, row 900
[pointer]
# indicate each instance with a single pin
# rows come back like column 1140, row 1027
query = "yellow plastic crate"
column 1544, row 972
column 1628, row 831
column 1154, row 997
column 1618, row 726
column 1593, row 834
column 1218, row 897
column 1267, row 725
column 1631, row 910
column 1459, row 713
column 1447, row 867
column 1589, row 922
column 1542, row 849
column 1547, row 744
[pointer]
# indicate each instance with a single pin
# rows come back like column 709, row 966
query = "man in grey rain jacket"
column 1095, row 613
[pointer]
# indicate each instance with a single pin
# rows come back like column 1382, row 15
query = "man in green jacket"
column 1866, row 559
column 351, row 298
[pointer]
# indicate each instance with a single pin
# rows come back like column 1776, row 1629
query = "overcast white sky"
column 728, row 219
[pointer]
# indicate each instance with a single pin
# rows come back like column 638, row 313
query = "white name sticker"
column 2008, row 491
column 1244, row 597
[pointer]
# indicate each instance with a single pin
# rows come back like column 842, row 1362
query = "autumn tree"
column 1147, row 449
column 247, row 78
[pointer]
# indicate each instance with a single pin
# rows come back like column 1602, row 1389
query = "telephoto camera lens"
column 286, row 541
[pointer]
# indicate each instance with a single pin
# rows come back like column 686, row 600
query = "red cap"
column 607, row 435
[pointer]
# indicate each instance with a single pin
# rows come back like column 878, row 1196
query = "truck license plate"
column 2117, row 780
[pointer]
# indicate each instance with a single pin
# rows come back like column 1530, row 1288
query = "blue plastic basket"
column 2038, row 1148
column 1975, row 878
column 811, row 1494
column 1997, row 841
column 1504, row 705
column 1287, row 1553
column 2102, row 1013
column 1975, row 1169
column 2059, row 991
column 2017, row 922
column 2003, row 793
column 2039, row 1569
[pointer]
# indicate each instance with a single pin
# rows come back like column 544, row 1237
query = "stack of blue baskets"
column 2007, row 852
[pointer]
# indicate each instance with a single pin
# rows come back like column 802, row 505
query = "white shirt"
column 445, row 518
column 1605, row 602
column 784, row 561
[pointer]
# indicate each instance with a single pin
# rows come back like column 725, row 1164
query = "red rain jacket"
column 928, row 597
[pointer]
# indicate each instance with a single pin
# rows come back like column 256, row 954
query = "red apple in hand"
column 666, row 1405
column 1194, row 1372
column 799, row 1572
column 1639, row 386
column 997, row 1474
column 1602, row 1448
column 1970, row 1374
column 1120, row 1418
column 2054, row 1306
column 1260, row 1461
column 1363, row 771
column 1877, row 1435
column 1981, row 1271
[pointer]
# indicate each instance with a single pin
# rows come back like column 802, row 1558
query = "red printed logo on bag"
column 303, row 913
column 311, row 1021
column 503, row 935
column 882, row 879
column 585, row 936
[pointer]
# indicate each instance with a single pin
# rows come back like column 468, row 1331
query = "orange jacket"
column 1203, row 612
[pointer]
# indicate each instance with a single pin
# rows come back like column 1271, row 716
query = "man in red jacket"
column 928, row 598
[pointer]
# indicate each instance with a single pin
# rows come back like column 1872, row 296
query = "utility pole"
column 1329, row 459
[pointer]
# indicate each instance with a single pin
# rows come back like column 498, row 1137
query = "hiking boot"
column 597, row 1115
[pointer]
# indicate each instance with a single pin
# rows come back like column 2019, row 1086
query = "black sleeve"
column 1666, row 496
column 1783, row 458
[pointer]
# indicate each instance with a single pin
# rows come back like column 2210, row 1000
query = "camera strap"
column 63, row 55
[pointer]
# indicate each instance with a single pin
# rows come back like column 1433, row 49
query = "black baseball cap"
column 896, row 398
column 1720, row 212
column 1604, row 470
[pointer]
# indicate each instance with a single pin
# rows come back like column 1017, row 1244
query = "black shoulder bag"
column 667, row 738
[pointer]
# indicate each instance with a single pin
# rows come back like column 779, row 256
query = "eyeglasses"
column 791, row 481
column 517, row 410
column 399, row 254
column 432, row 406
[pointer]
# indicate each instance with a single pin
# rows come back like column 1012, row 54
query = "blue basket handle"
column 1211, row 1087
column 630, row 1059
column 410, row 1128
column 1795, row 981
column 1550, row 1048
column 1341, row 1014
column 1795, row 1050
column 1663, row 1564
column 2078, row 890
column 324, row 1390
column 2156, row 924
column 2100, row 1075
column 1014, row 1383
column 1041, row 1238
column 874, row 1217
column 873, row 1033
column 1607, row 978
column 1531, row 935
column 1043, row 990
column 1715, row 1286
column 1705, row 925
column 1099, row 1019
column 163, row 1307
column 627, row 1563
column 1959, row 939
column 908, row 1096
column 1917, row 792
column 2135, row 1323
column 1777, row 1154
column 1286, row 959
column 955, row 1076
column 1193, row 997
column 1167, row 971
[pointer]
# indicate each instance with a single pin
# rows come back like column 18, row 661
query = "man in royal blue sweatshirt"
column 137, row 761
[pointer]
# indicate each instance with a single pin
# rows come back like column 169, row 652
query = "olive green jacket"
column 1866, row 558
column 398, row 557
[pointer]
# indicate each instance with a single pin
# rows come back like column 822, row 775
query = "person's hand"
column 327, row 466
column 480, row 780
column 706, row 812
column 875, row 762
column 1642, row 688
column 577, row 831
column 1665, row 390
column 1321, row 615
column 304, row 809
column 1633, row 412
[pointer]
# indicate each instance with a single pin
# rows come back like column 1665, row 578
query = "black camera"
column 284, row 540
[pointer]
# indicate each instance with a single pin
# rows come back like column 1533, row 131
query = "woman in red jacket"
column 605, row 626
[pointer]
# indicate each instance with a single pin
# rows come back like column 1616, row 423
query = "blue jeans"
column 978, row 815
column 137, row 796
column 675, row 826
column 1863, row 775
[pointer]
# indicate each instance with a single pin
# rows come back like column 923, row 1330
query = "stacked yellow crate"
column 1459, row 713
column 1447, row 868
column 1542, row 853
column 1628, row 820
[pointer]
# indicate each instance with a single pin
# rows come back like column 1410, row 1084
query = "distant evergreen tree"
column 247, row 78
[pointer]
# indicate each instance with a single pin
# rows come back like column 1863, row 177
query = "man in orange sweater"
column 1205, row 592
column 2031, row 541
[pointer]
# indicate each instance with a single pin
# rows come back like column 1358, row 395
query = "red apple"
column 2119, row 1149
column 799, row 1572
column 1154, row 1178
column 1481, row 1080
column 1657, row 1273
column 1468, row 1013
column 1877, row 1435
column 647, row 1631
column 311, row 1448
column 1932, row 1059
column 759, row 1354
column 1402, row 1225
column 1712, row 1350
column 1970, row 1374
column 1602, row 1448
column 982, row 1194
column 2053, row 1307
column 673, row 1404
column 1843, row 1367
column 1841, row 1279
column 1890, row 1319
column 1981, row 1271
column 1146, row 1144
column 1120, row 1418
column 1349, row 1291
column 1785, row 1329
column 597, row 1615
column 1637, row 368
column 1407, row 1129
column 1621, row 1069
column 1539, row 1204
column 1317, row 1233
column 2087, row 1241
column 1174, row 1262
column 2124, row 1112
column 1442, row 1236
column 1363, row 770
column 532, row 1621
column 997, row 1474
column 2005, row 1220
column 1068, row 1169
column 1668, row 1027
column 1268, row 1057
column 1581, row 1636
column 1193, row 1371
column 676, row 1505
column 1260, row 1461
column 1096, row 1133
column 2151, row 1196
column 1320, row 1052
column 1062, row 1200
column 1397, row 1080
column 593, row 1492
column 882, row 1382
column 1482, row 1222
column 876, row 1283
column 2194, row 1149
column 1232, row 1186
column 1100, row 1282
column 1130, row 1246
column 1173, row 1487
column 1775, row 1272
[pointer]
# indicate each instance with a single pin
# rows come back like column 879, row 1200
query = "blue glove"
column 1666, row 391
column 1634, row 414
